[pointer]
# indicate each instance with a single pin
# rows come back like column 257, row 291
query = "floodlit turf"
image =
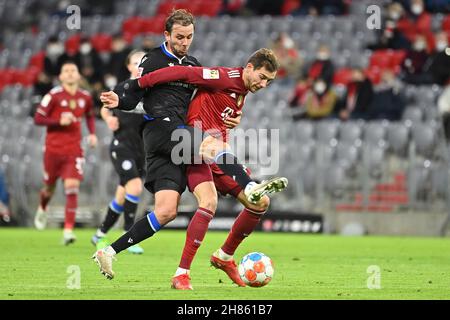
column 34, row 265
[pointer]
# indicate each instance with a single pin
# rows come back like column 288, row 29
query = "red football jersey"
column 222, row 93
column 66, row 139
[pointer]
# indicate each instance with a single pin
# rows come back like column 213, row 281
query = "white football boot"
column 40, row 218
column 104, row 259
column 255, row 191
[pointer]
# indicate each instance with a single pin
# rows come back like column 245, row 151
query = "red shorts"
column 198, row 173
column 62, row 166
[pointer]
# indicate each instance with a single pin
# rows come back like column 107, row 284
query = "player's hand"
column 112, row 123
column 230, row 123
column 66, row 119
column 109, row 99
column 92, row 140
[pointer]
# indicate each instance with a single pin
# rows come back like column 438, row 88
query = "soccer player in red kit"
column 61, row 111
column 220, row 96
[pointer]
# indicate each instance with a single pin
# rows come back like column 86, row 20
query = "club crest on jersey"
column 210, row 74
column 72, row 104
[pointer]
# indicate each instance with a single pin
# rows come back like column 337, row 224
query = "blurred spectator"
column 288, row 56
column 389, row 37
column 315, row 103
column 117, row 71
column 264, row 7
column 53, row 52
column 437, row 67
column 416, row 22
column 148, row 44
column 388, row 102
column 322, row 67
column 91, row 65
column 444, row 109
column 5, row 214
column 357, row 99
column 232, row 7
column 321, row 7
column 412, row 69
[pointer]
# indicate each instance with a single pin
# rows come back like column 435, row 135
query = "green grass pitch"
column 34, row 265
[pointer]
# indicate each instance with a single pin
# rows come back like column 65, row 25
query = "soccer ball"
column 256, row 269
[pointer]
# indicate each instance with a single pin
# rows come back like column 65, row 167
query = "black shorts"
column 128, row 163
column 169, row 146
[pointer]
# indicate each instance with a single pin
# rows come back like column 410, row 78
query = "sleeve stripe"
column 40, row 111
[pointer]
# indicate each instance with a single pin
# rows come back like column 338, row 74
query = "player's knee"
column 209, row 203
column 165, row 215
column 134, row 187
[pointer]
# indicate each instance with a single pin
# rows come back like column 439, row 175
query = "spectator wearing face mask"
column 288, row 57
column 358, row 97
column 412, row 69
column 437, row 67
column 322, row 67
column 416, row 22
column 389, row 36
column 389, row 101
column 53, row 52
column 316, row 103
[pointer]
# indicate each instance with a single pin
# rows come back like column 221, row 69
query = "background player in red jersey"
column 61, row 111
column 221, row 96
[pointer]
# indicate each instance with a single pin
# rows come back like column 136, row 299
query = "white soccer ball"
column 256, row 269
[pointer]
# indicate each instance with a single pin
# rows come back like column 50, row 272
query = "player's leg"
column 71, row 189
column 219, row 152
column 133, row 190
column 115, row 209
column 201, row 183
column 245, row 223
column 52, row 165
column 167, row 195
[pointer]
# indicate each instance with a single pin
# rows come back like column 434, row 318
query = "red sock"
column 194, row 236
column 44, row 198
column 71, row 208
column 244, row 224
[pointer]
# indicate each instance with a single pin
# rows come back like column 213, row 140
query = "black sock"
column 140, row 231
column 129, row 212
column 228, row 163
column 113, row 214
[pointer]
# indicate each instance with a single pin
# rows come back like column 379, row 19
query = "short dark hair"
column 180, row 16
column 264, row 58
column 68, row 62
column 132, row 53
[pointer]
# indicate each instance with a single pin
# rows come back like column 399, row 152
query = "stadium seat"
column 424, row 137
column 346, row 155
column 375, row 133
column 350, row 132
column 413, row 114
column 304, row 131
column 326, row 131
column 398, row 138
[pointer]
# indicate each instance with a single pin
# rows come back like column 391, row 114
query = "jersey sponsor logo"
column 226, row 113
column 233, row 74
column 211, row 74
column 46, row 100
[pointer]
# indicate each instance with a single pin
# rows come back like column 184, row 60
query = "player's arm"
column 210, row 78
column 42, row 116
column 122, row 97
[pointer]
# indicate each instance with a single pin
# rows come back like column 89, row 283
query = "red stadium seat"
column 343, row 76
column 131, row 27
column 72, row 44
column 381, row 59
column 446, row 24
column 37, row 60
column 153, row 24
column 101, row 42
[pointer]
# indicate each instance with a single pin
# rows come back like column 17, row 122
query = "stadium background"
column 384, row 173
